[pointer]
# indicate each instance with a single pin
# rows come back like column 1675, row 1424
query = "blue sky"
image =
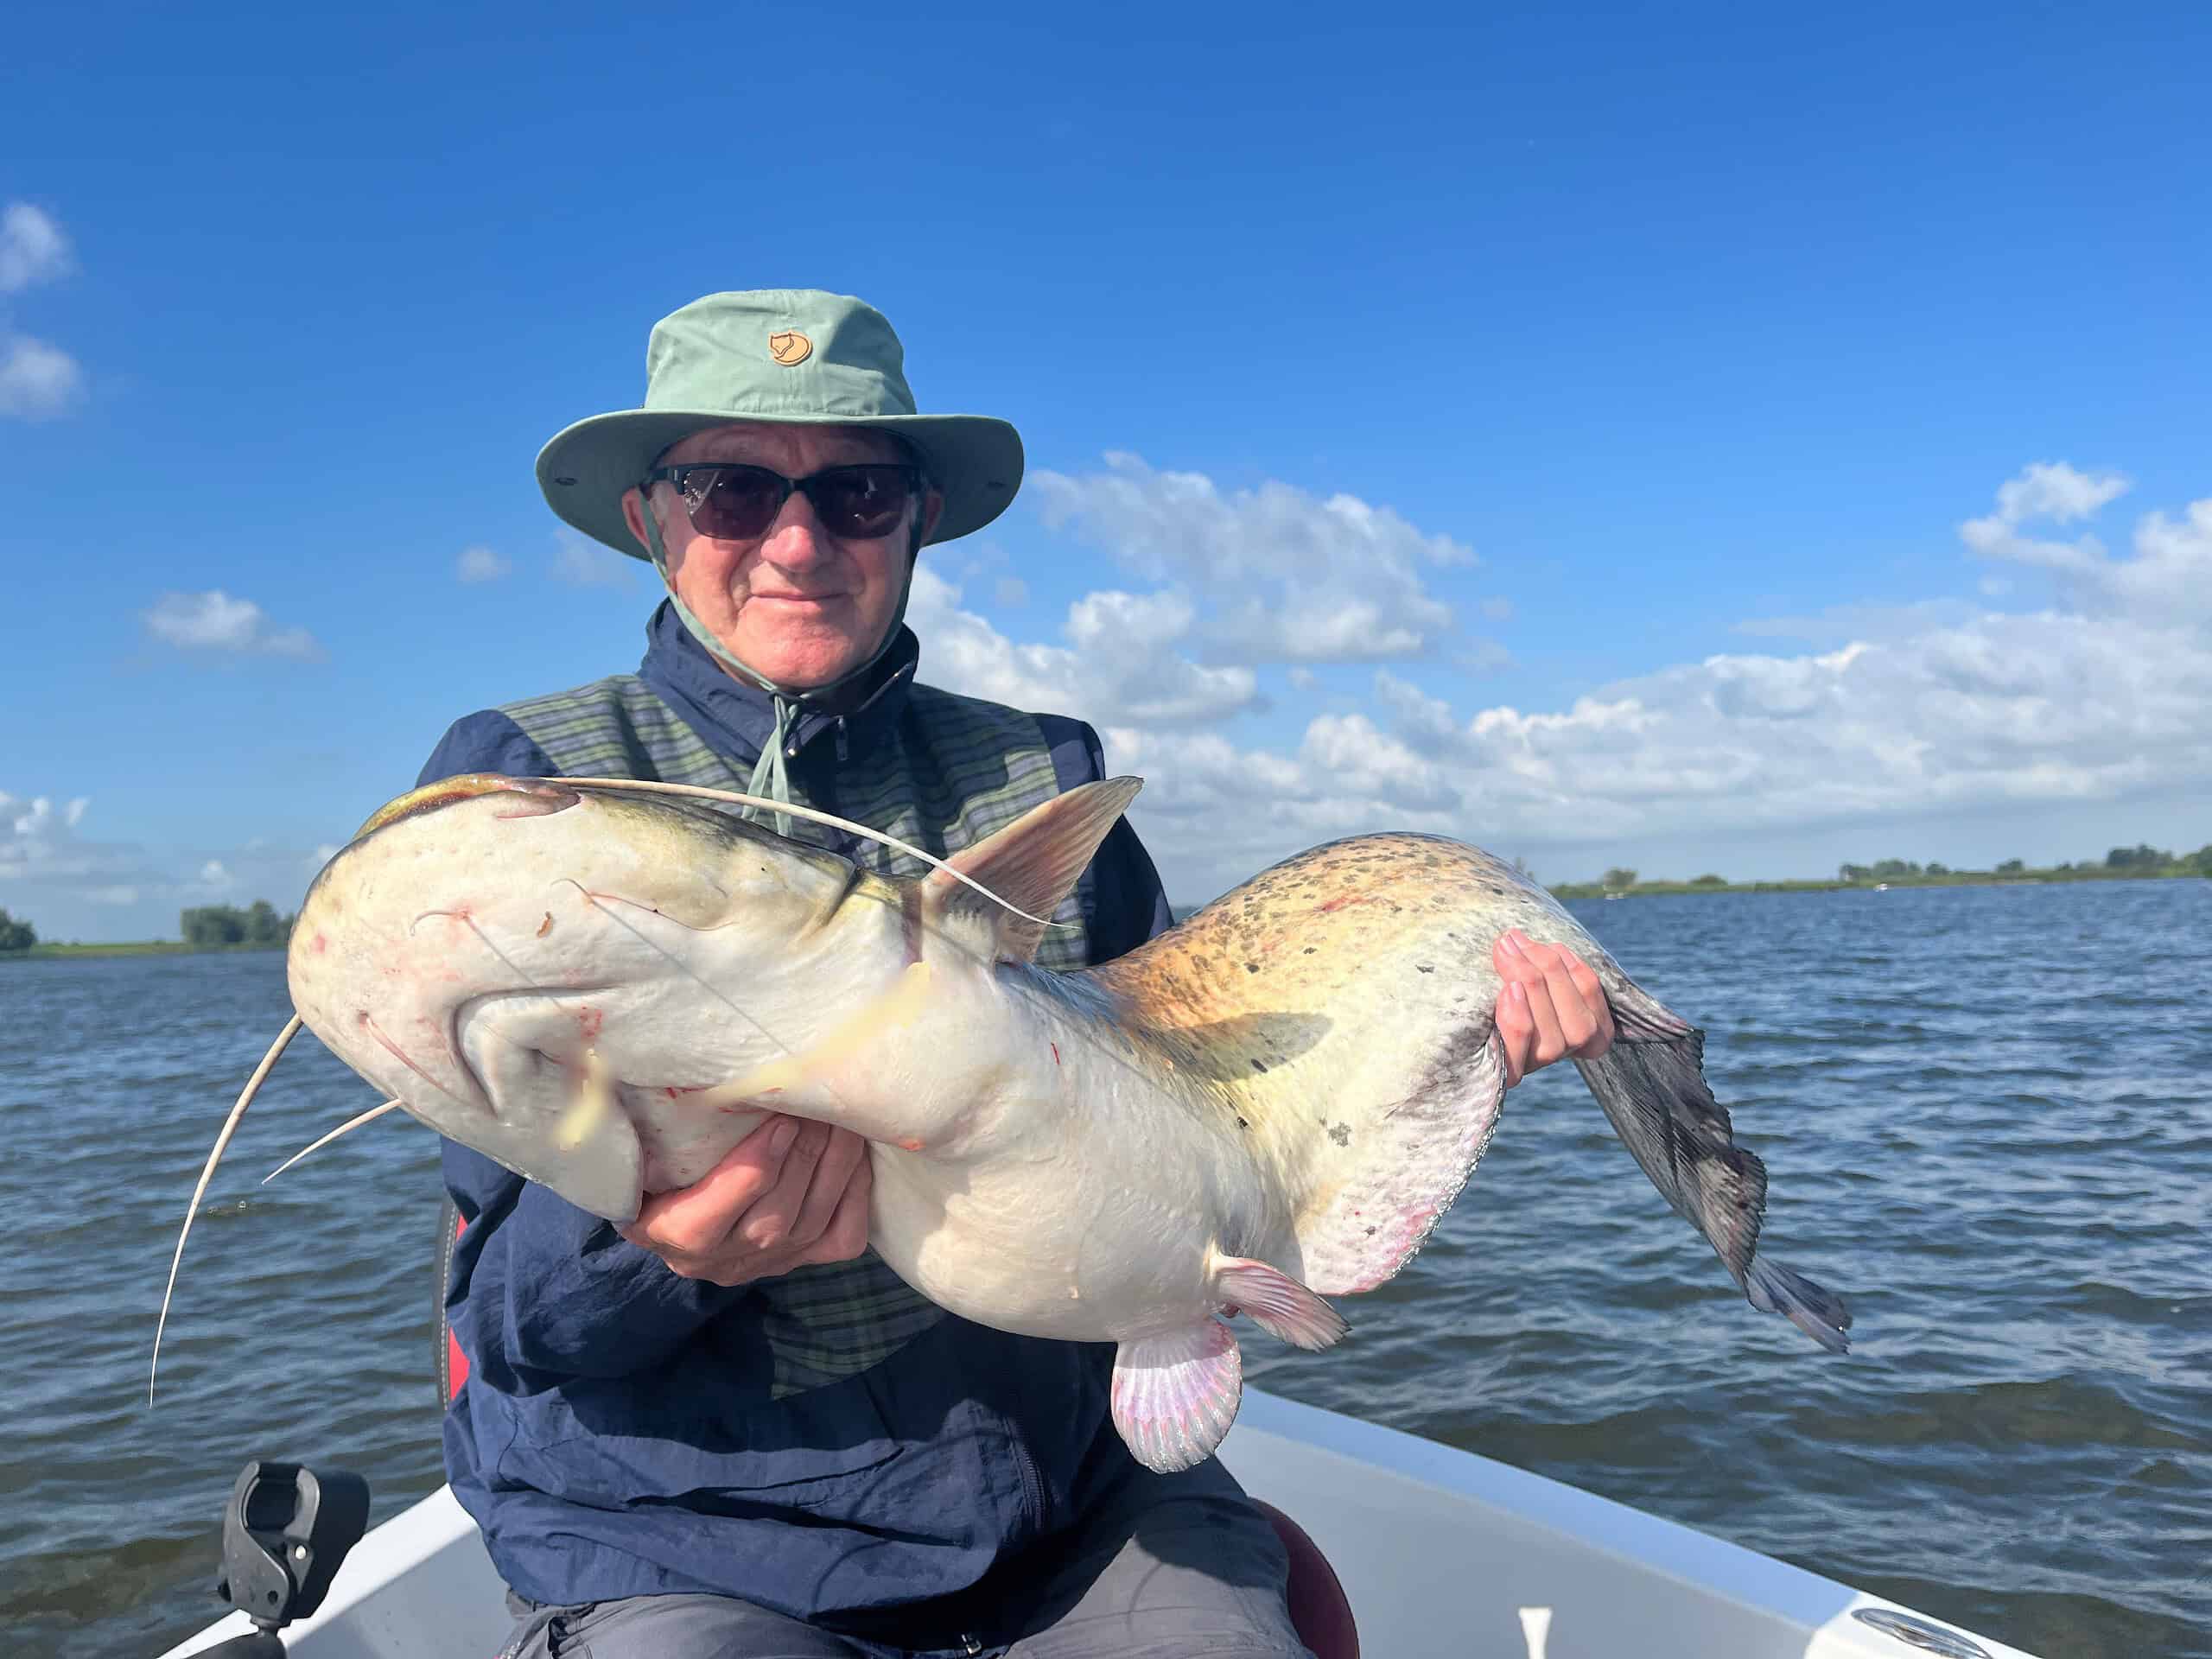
column 1582, row 432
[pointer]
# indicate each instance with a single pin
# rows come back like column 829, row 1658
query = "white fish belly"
column 1043, row 1252
column 1093, row 1205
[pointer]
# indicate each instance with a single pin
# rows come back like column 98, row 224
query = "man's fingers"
column 1593, row 996
column 695, row 1219
column 1530, row 961
column 845, row 1235
column 768, row 1222
column 843, row 1155
column 1577, row 1021
column 1567, row 1010
column 1517, row 1032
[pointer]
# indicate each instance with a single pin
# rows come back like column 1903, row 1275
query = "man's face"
column 801, row 605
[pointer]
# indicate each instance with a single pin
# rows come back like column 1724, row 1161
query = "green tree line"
column 2142, row 859
column 207, row 927
column 213, row 924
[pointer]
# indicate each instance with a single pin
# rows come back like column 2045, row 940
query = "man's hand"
column 789, row 1194
column 1551, row 1006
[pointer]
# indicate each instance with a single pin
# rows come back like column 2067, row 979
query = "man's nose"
column 796, row 539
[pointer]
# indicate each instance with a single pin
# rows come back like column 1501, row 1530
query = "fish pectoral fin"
column 1278, row 1303
column 1175, row 1395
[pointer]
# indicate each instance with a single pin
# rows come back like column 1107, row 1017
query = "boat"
column 1435, row 1553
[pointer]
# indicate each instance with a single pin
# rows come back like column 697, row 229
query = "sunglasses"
column 738, row 503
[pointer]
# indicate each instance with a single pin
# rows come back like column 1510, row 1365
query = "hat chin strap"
column 771, row 774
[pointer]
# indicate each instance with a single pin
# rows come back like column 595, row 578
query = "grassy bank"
column 135, row 948
column 1947, row 879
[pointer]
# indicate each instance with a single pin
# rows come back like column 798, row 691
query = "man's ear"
column 932, row 505
column 633, row 514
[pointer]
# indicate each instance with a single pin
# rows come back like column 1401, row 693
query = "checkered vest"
column 945, row 774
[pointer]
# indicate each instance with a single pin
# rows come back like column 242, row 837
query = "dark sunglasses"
column 738, row 503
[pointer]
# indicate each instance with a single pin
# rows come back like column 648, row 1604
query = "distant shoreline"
column 133, row 948
column 1954, row 878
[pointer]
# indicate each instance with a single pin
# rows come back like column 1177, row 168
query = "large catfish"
column 603, row 989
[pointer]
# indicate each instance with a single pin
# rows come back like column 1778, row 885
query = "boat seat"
column 1320, row 1610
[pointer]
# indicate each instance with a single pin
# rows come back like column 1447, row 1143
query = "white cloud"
column 40, row 844
column 2168, row 576
column 1281, row 576
column 2055, row 491
column 1011, row 593
column 2051, row 491
column 1122, row 661
column 32, row 249
column 2004, row 712
column 69, row 883
column 1891, row 712
column 215, row 621
column 583, row 563
column 33, row 821
column 37, row 381
column 481, row 564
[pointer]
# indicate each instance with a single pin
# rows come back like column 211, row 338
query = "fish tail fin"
column 1813, row 1309
column 1651, row 1085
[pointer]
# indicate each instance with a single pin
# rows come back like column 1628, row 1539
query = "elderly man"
column 727, row 1428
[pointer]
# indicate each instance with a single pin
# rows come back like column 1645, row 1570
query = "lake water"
column 1987, row 1113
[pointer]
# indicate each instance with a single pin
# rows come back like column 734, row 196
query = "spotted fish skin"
column 1367, row 961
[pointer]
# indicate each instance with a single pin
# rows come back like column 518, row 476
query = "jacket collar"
column 734, row 719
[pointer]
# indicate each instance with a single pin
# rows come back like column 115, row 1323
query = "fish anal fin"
column 1033, row 863
column 1279, row 1304
column 1174, row 1395
column 1379, row 1178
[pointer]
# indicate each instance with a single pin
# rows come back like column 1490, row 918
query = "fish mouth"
column 536, row 797
column 544, row 1104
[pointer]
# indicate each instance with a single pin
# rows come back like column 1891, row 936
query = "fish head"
column 547, row 974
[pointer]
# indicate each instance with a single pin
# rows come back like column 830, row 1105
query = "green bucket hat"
column 791, row 355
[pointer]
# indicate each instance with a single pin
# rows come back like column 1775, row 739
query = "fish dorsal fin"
column 1033, row 863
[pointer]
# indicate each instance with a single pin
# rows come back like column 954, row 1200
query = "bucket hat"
column 796, row 356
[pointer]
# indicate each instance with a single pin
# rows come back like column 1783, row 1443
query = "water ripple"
column 1986, row 1123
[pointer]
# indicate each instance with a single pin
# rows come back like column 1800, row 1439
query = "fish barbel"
column 603, row 990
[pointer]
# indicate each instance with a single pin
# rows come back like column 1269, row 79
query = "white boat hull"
column 1443, row 1554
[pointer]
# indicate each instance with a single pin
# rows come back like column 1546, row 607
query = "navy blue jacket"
column 617, row 1436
